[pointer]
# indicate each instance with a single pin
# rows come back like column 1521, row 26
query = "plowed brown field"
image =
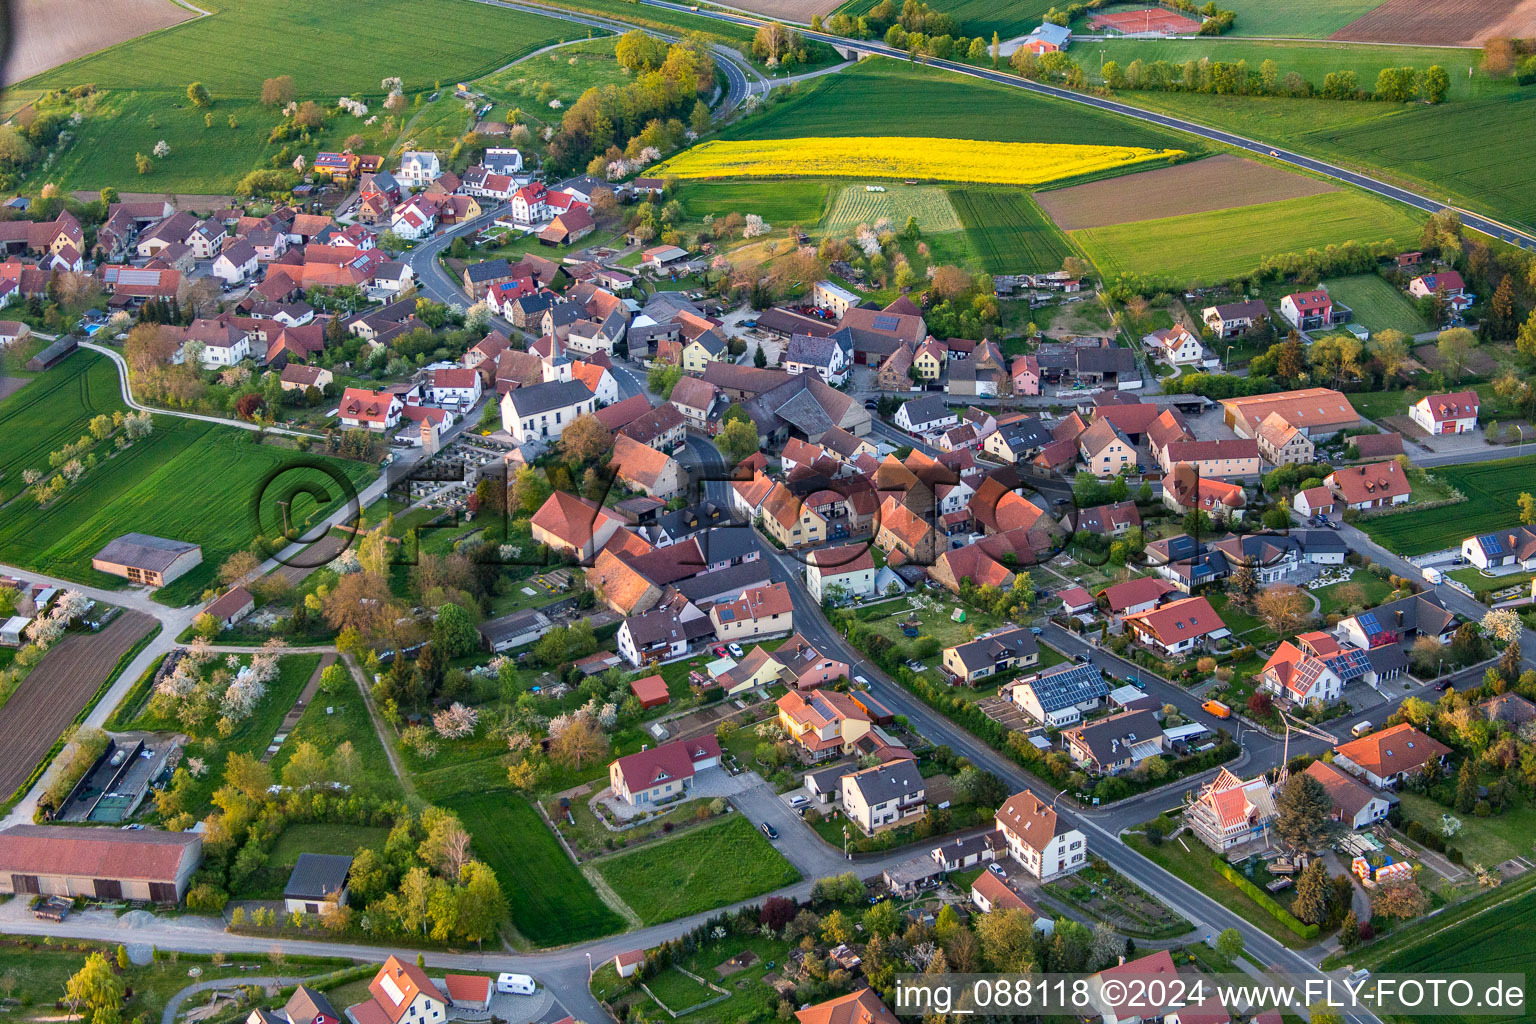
column 1450, row 22
column 1217, row 183
column 48, row 700
column 50, row 32
column 787, row 10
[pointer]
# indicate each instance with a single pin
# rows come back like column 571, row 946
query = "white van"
column 515, row 985
column 1361, row 729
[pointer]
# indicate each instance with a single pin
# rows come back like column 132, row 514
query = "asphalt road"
column 1487, row 225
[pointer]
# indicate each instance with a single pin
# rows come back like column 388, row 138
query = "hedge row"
column 1263, row 899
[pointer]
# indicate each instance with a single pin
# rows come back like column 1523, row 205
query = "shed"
column 468, row 991
column 141, row 558
column 54, row 354
column 628, row 962
column 316, row 879
column 515, row 630
column 11, row 631
column 652, row 691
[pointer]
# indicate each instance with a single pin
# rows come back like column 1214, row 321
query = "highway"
column 1478, row 222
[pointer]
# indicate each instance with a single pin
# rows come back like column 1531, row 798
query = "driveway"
column 797, row 842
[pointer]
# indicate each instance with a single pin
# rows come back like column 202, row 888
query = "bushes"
column 1263, row 899
column 90, row 744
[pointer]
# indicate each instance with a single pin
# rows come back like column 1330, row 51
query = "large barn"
column 107, row 864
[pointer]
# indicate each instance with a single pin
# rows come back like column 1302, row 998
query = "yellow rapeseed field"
column 1001, row 163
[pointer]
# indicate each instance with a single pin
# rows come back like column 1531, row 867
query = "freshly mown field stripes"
column 704, row 868
column 551, row 902
column 51, row 412
column 1451, row 22
column 1008, row 232
column 1491, row 489
column 1003, row 163
column 189, row 480
column 881, row 96
column 1216, row 183
column 1307, row 19
column 144, row 82
column 977, row 17
column 1216, row 246
column 856, row 205
column 780, row 203
column 1377, row 304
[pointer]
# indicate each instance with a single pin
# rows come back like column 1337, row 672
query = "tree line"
column 1237, row 78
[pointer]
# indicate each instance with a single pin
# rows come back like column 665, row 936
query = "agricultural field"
column 51, row 412
column 1377, row 304
column 1216, row 183
column 1307, row 19
column 1008, row 232
column 706, row 867
column 144, row 82
column 977, row 17
column 881, row 96
column 801, row 11
column 780, row 203
column 1456, row 22
column 1004, row 163
column 160, row 485
column 50, row 32
column 1215, row 246
column 551, row 902
column 50, row 697
column 1491, row 489
column 855, row 205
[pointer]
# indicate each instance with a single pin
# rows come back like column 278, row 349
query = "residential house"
column 1037, row 838
column 418, row 170
column 827, row 357
column 1307, row 310
column 1514, row 546
column 1220, row 460
column 1026, row 375
column 574, row 525
column 455, row 386
column 859, row 1007
column 1132, row 597
column 543, row 411
column 1230, row 319
column 1386, row 757
column 904, row 535
column 1105, row 520
column 1176, row 346
column 1019, row 440
column 236, row 262
column 928, row 360
column 642, row 468
column 758, row 611
column 845, row 572
column 1282, row 444
column 1454, row 413
column 1178, row 627
column 230, row 607
column 1117, row 743
column 803, row 667
column 1230, row 812
column 663, row 428
column 1004, row 650
column 824, row 723
column 707, row 347
column 597, row 379
column 1355, row 804
column 664, row 773
column 1314, row 501
column 1400, row 621
column 884, row 796
column 699, row 402
column 1184, row 489
column 1375, row 485
column 402, row 994
column 1106, row 449
column 1447, row 284
column 833, row 297
column 1059, row 696
column 972, row 562
column 223, row 344
column 1314, row 668
column 878, row 333
column 372, row 410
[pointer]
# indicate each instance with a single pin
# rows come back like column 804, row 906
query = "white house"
column 414, row 218
column 1176, row 345
column 1036, row 839
column 541, row 412
column 372, row 410
column 502, row 160
column 455, row 387
column 1454, row 413
column 404, row 994
column 1060, row 696
column 530, row 204
column 1515, row 546
column 1354, row 803
column 223, row 345
column 852, row 568
column 418, row 169
column 926, row 415
column 236, row 263
column 1314, row 501
column 597, row 379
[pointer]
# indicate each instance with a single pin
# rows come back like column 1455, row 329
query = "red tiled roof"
column 148, row 854
column 1401, row 748
column 1180, row 620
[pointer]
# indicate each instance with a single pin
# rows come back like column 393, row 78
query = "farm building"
column 514, row 630
column 107, row 864
column 53, row 355
column 153, row 561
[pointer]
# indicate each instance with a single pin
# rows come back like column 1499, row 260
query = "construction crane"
column 1303, row 728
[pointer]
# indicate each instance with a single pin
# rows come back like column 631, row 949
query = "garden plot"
column 856, row 205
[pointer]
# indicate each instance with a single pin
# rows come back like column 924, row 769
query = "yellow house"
column 790, row 521
column 1105, row 449
column 701, row 351
column 929, row 361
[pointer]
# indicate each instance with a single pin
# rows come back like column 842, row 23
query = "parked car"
column 719, row 650
column 1036, row 630
column 871, row 404
column 770, row 831
column 1443, row 685
column 997, row 869
column 735, row 650
column 799, row 801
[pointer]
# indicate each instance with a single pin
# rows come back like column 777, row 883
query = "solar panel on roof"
column 886, row 323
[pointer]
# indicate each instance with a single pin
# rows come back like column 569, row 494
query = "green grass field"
column 334, row 719
column 551, row 902
column 562, row 74
column 1307, row 18
column 146, row 79
column 1374, row 589
column 677, row 991
column 1377, row 304
column 881, row 97
column 780, row 203
column 1009, row 233
column 977, row 17
column 856, row 205
column 706, row 867
column 1222, row 244
column 51, row 412
column 1491, row 489
column 188, row 480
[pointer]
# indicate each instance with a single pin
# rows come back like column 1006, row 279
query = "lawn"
column 341, row 717
column 1243, row 624
column 699, row 870
column 1008, row 232
column 1491, row 489
column 1377, row 304
column 1486, row 841
column 146, row 79
column 551, row 902
column 978, row 17
column 1223, row 244
column 1332, row 598
column 751, row 1001
column 51, row 412
column 346, row 840
column 780, row 203
column 1319, row 18
column 881, row 96
column 161, row 485
column 251, row 736
column 677, row 991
